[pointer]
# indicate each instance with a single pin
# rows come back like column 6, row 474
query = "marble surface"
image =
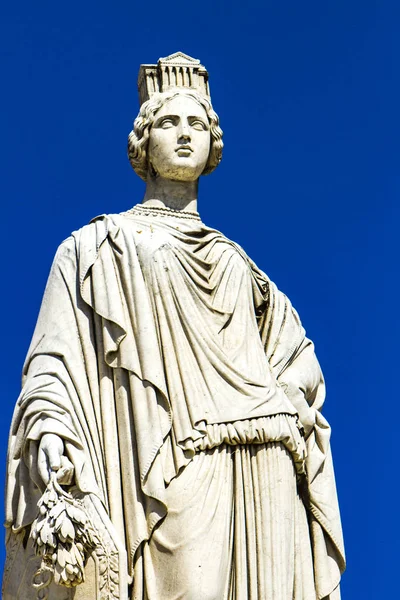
column 168, row 441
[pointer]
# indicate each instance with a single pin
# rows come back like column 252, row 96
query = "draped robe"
column 158, row 340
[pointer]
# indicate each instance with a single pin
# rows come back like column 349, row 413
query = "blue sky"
column 308, row 95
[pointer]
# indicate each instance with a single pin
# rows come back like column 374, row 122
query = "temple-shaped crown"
column 175, row 70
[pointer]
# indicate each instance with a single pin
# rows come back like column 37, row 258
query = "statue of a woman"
column 171, row 383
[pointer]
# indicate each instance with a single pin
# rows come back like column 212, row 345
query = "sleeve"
column 303, row 383
column 292, row 359
column 54, row 393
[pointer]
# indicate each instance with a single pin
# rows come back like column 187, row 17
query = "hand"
column 51, row 458
column 307, row 419
column 297, row 397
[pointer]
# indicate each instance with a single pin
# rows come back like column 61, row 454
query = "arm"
column 292, row 360
column 304, row 385
column 50, row 428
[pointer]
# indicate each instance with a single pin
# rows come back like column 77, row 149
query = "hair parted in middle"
column 138, row 138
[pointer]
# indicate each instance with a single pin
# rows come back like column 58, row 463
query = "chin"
column 184, row 177
column 182, row 172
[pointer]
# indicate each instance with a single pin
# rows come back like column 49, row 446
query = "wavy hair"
column 138, row 138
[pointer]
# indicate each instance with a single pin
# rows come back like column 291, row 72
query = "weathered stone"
column 169, row 442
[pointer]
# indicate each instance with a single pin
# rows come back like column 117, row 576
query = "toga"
column 188, row 398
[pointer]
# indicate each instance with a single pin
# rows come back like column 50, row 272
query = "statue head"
column 176, row 134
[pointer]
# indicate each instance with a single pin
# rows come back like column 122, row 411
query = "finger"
column 65, row 476
column 54, row 457
column 66, row 473
column 43, row 466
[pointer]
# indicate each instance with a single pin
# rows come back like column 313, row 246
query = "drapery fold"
column 248, row 538
column 95, row 374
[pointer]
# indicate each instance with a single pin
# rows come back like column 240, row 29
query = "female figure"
column 171, row 381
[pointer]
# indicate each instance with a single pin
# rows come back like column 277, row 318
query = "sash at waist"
column 277, row 428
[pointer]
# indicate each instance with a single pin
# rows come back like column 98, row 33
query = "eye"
column 166, row 124
column 199, row 125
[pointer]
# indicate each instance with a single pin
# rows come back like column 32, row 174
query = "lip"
column 185, row 147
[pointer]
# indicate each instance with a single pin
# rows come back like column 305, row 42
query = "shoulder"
column 90, row 237
column 84, row 241
column 104, row 231
column 65, row 254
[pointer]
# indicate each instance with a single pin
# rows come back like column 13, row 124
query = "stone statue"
column 168, row 441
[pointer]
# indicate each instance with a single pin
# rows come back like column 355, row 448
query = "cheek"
column 205, row 147
column 161, row 145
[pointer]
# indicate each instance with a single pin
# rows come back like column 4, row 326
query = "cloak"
column 95, row 374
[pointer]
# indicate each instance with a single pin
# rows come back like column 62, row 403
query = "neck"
column 179, row 195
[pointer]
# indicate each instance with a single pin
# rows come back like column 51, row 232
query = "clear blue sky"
column 308, row 94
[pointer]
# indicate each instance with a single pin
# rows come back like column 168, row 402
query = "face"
column 179, row 142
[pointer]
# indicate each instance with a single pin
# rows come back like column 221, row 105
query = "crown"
column 175, row 70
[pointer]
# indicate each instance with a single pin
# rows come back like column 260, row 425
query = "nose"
column 184, row 131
